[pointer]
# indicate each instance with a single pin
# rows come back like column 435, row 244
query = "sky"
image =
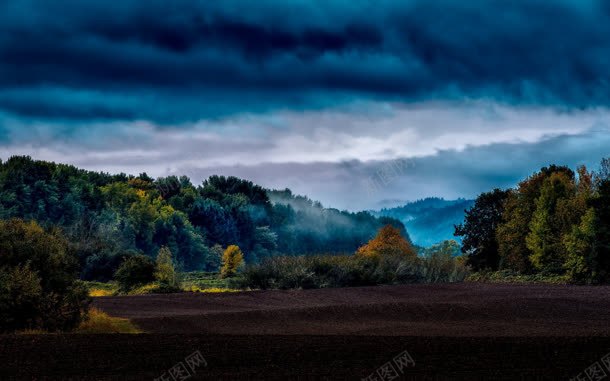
column 354, row 103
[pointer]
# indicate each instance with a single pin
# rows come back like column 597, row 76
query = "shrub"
column 439, row 267
column 347, row 271
column 511, row 276
column 102, row 266
column 38, row 280
column 232, row 260
column 135, row 271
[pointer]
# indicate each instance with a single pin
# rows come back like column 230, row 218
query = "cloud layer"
column 187, row 60
column 453, row 149
column 309, row 94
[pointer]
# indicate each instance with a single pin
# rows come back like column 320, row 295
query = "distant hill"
column 109, row 217
column 430, row 220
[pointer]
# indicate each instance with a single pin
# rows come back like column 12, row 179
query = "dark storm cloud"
column 186, row 60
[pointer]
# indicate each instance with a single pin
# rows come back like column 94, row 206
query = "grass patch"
column 199, row 281
column 100, row 322
column 508, row 276
column 196, row 281
column 154, row 288
column 212, row 290
column 150, row 288
column 97, row 289
column 348, row 271
column 97, row 322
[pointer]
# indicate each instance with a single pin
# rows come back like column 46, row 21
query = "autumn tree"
column 232, row 260
column 388, row 242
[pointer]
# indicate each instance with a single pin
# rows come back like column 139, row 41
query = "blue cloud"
column 186, row 60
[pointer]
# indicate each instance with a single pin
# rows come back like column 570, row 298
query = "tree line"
column 107, row 218
column 554, row 222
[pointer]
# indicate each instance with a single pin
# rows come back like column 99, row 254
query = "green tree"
column 232, row 260
column 449, row 248
column 136, row 270
column 105, row 216
column 600, row 257
column 547, row 227
column 38, row 279
column 580, row 248
column 519, row 208
column 165, row 272
column 214, row 258
column 479, row 241
column 604, row 170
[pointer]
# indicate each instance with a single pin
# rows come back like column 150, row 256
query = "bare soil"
column 457, row 331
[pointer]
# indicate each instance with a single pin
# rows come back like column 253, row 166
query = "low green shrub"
column 323, row 271
column 510, row 276
column 135, row 271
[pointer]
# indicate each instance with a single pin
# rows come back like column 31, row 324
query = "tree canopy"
column 232, row 259
column 38, row 286
column 388, row 242
column 107, row 218
column 479, row 230
column 554, row 222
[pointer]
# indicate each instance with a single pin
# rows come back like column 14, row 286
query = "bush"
column 38, row 280
column 440, row 267
column 135, row 271
column 347, row 271
column 511, row 276
column 102, row 266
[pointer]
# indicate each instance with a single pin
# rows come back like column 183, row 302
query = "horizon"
column 381, row 203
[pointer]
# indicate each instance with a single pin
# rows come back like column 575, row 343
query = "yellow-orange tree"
column 388, row 242
column 232, row 259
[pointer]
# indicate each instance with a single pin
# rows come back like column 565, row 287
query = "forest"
column 555, row 222
column 108, row 218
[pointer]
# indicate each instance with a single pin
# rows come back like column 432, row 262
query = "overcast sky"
column 349, row 102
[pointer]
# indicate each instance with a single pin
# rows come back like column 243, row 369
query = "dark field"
column 458, row 331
